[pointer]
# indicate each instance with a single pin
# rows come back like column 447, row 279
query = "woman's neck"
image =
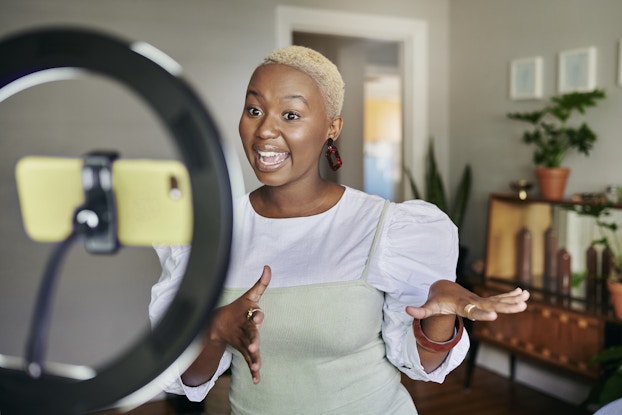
column 292, row 202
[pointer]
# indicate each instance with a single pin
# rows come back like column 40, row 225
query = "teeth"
column 272, row 158
column 268, row 153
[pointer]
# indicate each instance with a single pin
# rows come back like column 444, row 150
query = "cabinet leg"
column 471, row 363
column 512, row 367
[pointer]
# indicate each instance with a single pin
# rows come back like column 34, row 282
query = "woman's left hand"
column 447, row 297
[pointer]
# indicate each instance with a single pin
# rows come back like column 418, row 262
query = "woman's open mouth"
column 271, row 160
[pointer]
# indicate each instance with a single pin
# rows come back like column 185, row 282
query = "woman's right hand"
column 231, row 324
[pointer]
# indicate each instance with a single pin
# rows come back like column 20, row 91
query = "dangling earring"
column 332, row 155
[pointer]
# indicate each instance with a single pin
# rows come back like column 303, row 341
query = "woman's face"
column 284, row 125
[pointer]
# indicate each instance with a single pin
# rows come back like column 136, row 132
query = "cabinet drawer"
column 553, row 335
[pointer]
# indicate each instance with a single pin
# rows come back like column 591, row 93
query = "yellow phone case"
column 153, row 198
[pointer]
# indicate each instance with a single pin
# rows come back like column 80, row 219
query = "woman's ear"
column 334, row 128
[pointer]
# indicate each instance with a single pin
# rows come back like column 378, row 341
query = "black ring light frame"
column 198, row 140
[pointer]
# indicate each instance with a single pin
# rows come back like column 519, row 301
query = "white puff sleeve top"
column 417, row 245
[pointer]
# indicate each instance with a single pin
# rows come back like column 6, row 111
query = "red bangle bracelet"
column 431, row 345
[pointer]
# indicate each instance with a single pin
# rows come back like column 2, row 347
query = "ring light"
column 34, row 57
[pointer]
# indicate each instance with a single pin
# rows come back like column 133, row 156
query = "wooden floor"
column 490, row 394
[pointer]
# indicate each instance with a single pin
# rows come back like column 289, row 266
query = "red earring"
column 332, row 155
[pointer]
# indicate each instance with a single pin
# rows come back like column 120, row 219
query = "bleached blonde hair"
column 317, row 66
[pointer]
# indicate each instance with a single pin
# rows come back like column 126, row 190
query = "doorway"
column 371, row 140
column 356, row 33
column 383, row 127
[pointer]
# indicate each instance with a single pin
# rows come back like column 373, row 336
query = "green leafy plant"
column 577, row 278
column 435, row 188
column 610, row 239
column 551, row 134
column 608, row 388
column 610, row 235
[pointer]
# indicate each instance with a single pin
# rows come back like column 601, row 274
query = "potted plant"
column 553, row 137
column 435, row 193
column 610, row 239
column 608, row 387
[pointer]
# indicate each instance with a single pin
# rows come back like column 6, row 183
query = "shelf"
column 513, row 198
column 508, row 215
column 559, row 330
column 568, row 303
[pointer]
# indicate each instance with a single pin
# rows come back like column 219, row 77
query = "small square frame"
column 577, row 70
column 526, row 78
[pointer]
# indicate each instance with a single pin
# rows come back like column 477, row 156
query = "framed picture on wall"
column 526, row 78
column 577, row 70
column 620, row 62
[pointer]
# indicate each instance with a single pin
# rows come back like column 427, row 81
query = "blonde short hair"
column 317, row 66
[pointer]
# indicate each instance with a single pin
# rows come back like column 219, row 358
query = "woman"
column 352, row 290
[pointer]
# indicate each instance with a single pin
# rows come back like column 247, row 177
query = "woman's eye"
column 291, row 116
column 253, row 112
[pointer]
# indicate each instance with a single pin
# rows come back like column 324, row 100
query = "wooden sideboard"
column 560, row 331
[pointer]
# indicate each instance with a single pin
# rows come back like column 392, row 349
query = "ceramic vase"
column 615, row 294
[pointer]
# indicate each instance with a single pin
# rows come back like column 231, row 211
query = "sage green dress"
column 322, row 353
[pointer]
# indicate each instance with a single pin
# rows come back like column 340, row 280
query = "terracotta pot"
column 552, row 181
column 615, row 293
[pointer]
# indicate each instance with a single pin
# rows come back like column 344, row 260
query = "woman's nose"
column 267, row 128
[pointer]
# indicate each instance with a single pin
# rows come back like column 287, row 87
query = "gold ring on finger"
column 467, row 311
column 251, row 312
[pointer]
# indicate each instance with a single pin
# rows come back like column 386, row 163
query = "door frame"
column 413, row 36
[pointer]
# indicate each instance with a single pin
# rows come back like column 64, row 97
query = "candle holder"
column 521, row 187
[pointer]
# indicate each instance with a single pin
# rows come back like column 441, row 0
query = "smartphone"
column 153, row 199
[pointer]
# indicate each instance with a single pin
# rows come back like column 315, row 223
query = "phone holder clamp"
column 95, row 221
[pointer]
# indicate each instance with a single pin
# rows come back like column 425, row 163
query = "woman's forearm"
column 205, row 365
column 440, row 328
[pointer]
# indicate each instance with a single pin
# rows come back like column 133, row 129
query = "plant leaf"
column 435, row 188
column 530, row 117
column 413, row 184
column 462, row 197
column 612, row 389
column 609, row 354
column 434, row 183
column 551, row 136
